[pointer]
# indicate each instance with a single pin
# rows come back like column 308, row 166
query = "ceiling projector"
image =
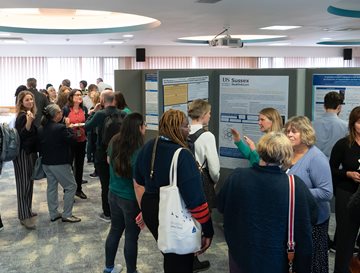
column 226, row 42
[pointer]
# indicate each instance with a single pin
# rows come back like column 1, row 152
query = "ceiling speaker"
column 347, row 54
column 140, row 54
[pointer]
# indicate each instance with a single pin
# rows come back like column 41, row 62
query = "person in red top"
column 75, row 114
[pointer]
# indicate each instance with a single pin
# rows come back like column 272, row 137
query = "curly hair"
column 170, row 126
column 275, row 148
column 303, row 125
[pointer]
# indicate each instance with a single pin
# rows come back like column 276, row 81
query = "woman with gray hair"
column 312, row 166
column 255, row 204
column 54, row 141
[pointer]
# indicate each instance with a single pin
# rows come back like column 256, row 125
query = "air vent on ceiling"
column 208, row 1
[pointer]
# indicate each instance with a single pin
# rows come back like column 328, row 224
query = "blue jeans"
column 123, row 214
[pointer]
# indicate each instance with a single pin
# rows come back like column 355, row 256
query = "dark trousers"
column 320, row 256
column 78, row 157
column 123, row 214
column 91, row 145
column 173, row 263
column 346, row 232
column 102, row 169
column 233, row 267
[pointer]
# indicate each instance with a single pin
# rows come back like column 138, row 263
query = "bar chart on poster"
column 178, row 92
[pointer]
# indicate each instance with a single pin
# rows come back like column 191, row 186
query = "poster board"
column 241, row 99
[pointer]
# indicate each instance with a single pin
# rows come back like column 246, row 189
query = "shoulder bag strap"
column 291, row 243
column 173, row 168
column 153, row 158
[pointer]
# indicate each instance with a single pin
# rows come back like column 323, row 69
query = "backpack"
column 193, row 137
column 111, row 126
column 10, row 143
column 208, row 183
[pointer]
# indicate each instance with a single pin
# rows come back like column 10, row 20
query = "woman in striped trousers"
column 24, row 162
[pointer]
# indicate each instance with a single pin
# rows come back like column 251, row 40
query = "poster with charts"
column 346, row 85
column 241, row 99
column 178, row 92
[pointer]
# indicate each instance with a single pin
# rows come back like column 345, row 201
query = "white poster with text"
column 241, row 99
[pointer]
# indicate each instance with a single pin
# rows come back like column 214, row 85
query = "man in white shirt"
column 330, row 128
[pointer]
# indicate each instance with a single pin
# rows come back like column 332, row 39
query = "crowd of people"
column 66, row 127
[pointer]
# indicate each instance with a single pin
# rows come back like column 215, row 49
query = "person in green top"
column 122, row 153
column 121, row 103
column 269, row 121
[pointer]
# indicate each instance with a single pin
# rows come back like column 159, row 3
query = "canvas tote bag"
column 178, row 232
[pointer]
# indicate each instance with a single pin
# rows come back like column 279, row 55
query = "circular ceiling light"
column 348, row 8
column 341, row 42
column 244, row 38
column 72, row 21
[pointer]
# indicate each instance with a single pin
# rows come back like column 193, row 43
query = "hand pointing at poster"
column 236, row 135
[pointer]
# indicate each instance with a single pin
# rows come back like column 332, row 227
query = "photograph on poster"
column 241, row 99
column 347, row 85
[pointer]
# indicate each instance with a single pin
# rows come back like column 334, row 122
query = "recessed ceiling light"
column 113, row 42
column 280, row 27
column 326, row 38
column 128, row 35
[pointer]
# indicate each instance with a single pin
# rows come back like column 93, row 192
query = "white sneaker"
column 117, row 268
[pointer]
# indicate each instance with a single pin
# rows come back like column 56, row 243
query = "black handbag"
column 38, row 172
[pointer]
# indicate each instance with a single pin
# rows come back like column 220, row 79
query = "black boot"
column 200, row 266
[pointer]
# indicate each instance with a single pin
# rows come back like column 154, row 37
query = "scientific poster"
column 178, row 92
column 241, row 99
column 347, row 85
column 151, row 101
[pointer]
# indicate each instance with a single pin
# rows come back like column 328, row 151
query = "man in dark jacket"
column 105, row 108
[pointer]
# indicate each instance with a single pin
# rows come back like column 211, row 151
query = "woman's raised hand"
column 250, row 143
column 235, row 134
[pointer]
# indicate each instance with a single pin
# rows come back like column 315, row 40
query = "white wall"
column 166, row 51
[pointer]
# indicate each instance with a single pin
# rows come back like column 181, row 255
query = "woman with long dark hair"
column 122, row 153
column 121, row 103
column 24, row 162
column 345, row 166
column 76, row 114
